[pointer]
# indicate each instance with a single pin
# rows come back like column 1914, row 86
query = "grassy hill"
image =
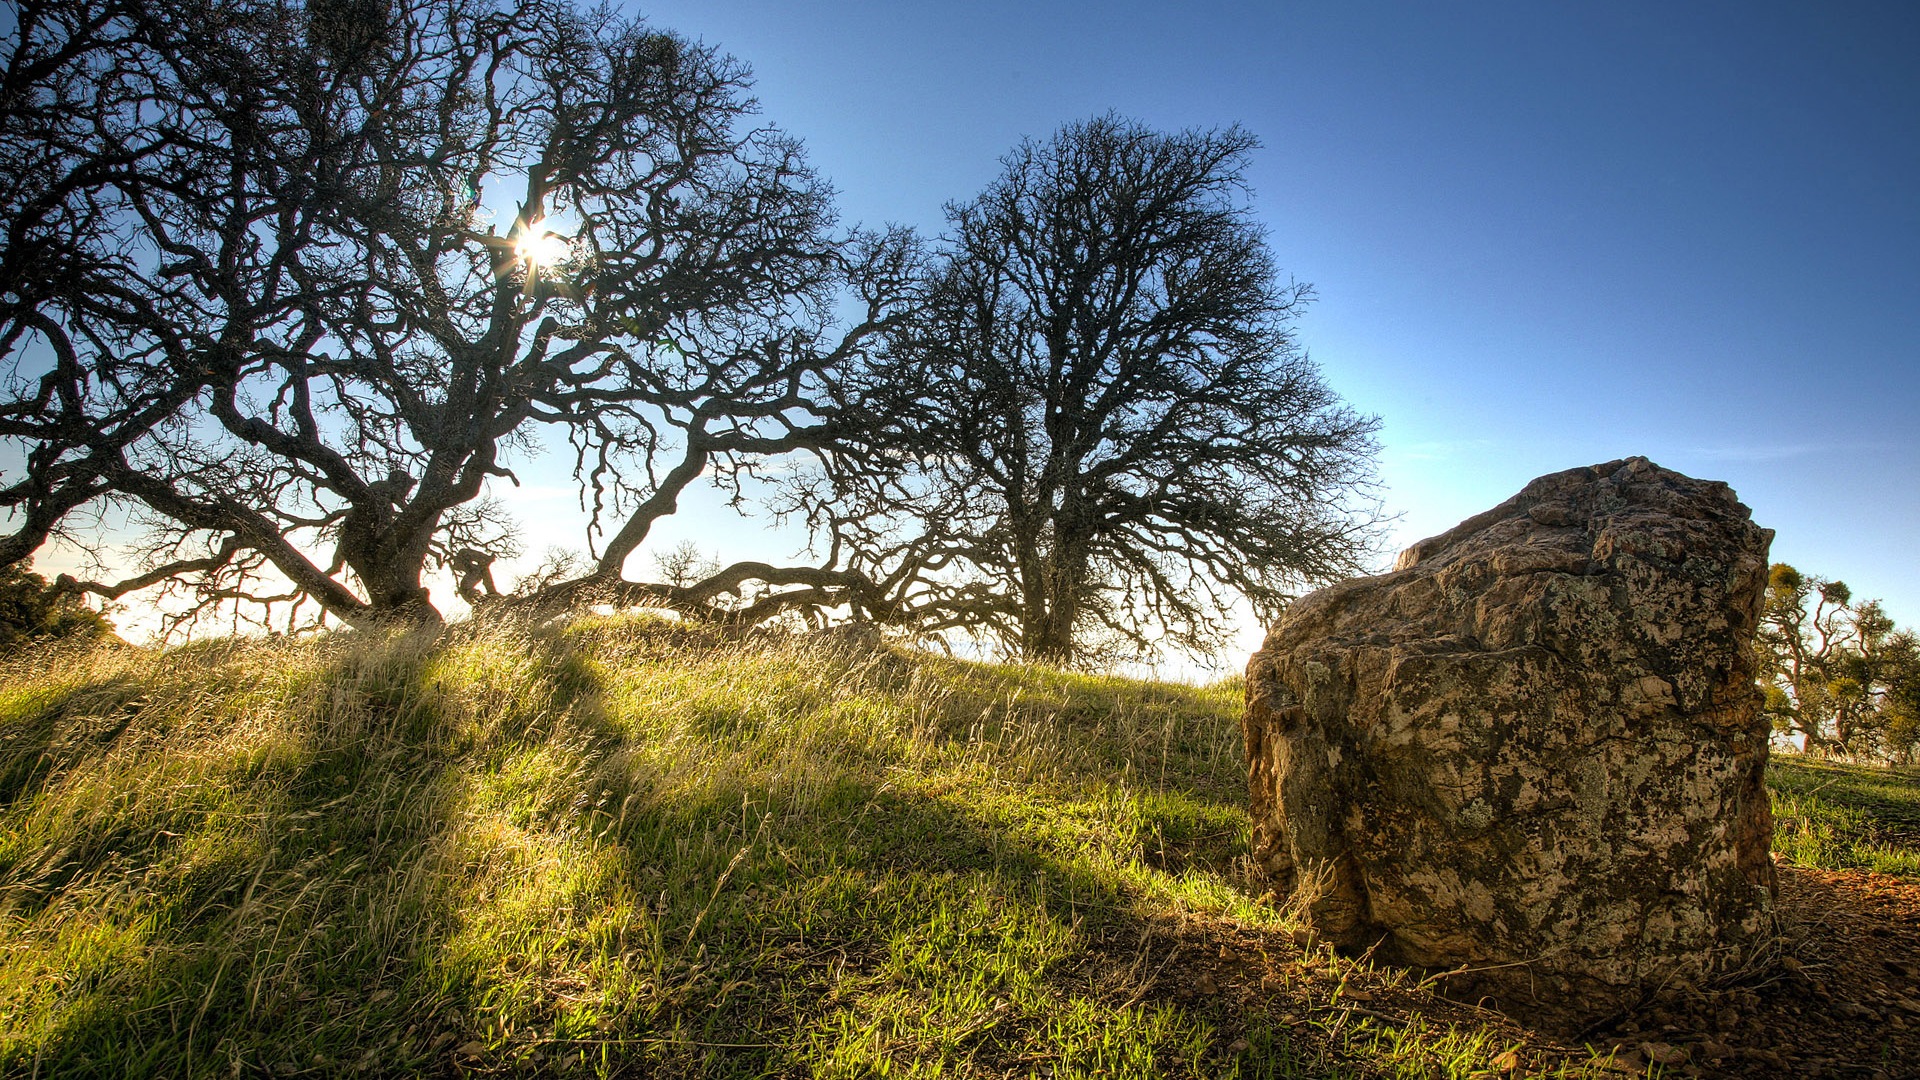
column 618, row 847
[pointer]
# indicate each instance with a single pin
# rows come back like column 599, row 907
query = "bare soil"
column 1837, row 996
column 1841, row 999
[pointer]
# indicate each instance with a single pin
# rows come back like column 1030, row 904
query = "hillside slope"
column 619, row 848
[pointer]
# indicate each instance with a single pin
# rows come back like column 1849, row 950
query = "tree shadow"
column 45, row 730
column 422, row 878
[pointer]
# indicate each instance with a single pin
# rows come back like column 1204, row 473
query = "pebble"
column 1664, row 1053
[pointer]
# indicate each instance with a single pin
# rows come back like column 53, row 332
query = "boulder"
column 1533, row 751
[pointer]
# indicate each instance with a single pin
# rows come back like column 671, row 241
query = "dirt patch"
column 1837, row 996
column 1841, row 997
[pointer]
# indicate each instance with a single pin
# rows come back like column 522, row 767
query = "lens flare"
column 543, row 249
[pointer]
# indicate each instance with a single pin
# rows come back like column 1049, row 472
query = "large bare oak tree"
column 1099, row 429
column 289, row 285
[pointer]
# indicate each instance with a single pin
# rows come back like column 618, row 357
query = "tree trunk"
column 1048, row 633
column 390, row 560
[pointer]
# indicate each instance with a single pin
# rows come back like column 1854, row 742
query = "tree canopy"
column 289, row 288
column 1096, row 426
column 1836, row 671
column 290, row 284
column 31, row 609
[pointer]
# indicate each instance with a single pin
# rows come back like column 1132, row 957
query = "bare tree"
column 1099, row 428
column 252, row 296
column 104, row 374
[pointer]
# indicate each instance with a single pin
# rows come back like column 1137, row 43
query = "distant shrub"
column 31, row 609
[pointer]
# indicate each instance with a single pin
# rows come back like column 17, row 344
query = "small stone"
column 1664, row 1053
column 1629, row 1062
column 1238, row 1046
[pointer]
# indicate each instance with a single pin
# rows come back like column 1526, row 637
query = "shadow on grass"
column 450, row 856
column 34, row 743
column 992, row 951
column 1890, row 796
column 214, row 892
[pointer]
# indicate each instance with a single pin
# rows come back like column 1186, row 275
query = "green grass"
column 1845, row 816
column 621, row 848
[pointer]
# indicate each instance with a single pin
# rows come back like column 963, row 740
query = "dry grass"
column 618, row 847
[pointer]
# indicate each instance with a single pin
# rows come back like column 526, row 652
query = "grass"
column 1846, row 816
column 616, row 847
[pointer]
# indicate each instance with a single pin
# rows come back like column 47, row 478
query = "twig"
column 1464, row 970
column 649, row 1039
column 1401, row 1021
column 1151, row 979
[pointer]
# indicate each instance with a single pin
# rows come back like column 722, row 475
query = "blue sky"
column 1543, row 235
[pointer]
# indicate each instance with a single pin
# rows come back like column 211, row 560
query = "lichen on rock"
column 1533, row 750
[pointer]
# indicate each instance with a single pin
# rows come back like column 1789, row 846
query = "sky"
column 1542, row 235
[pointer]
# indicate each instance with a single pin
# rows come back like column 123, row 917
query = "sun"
column 542, row 248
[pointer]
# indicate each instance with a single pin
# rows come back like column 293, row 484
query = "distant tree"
column 1835, row 671
column 1098, row 429
column 1799, row 647
column 253, row 300
column 31, row 609
column 1902, row 711
column 1888, row 671
column 685, row 565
